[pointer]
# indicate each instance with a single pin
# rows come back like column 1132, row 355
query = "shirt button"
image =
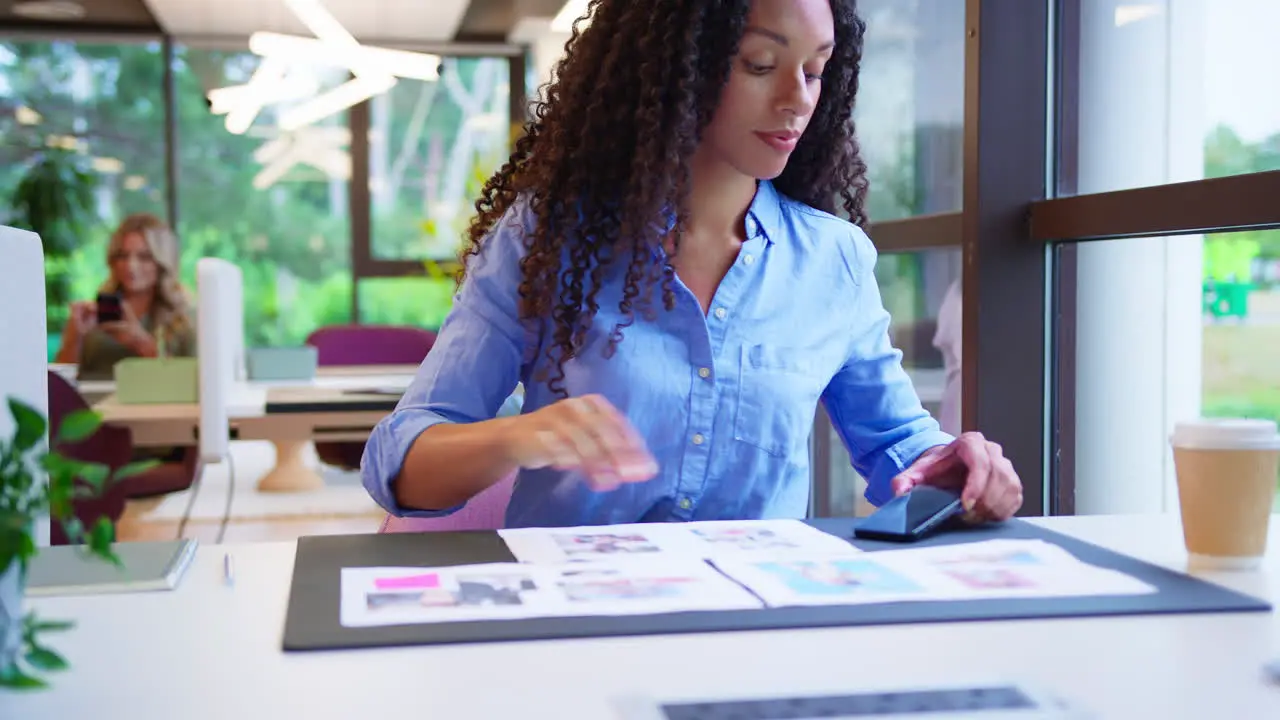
column 748, row 259
column 704, row 372
column 685, row 503
column 698, row 439
column 721, row 313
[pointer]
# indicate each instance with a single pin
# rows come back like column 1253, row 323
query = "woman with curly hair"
column 660, row 263
column 155, row 315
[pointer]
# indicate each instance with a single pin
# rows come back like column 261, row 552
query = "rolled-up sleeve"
column 871, row 400
column 474, row 365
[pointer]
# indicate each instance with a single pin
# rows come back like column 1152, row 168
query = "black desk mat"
column 312, row 617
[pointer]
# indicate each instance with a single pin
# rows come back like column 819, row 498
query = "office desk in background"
column 211, row 650
column 290, row 414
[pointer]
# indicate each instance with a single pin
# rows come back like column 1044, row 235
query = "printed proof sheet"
column 639, row 569
column 685, row 540
column 397, row 596
column 970, row 571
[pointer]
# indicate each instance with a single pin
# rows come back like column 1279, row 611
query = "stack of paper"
column 684, row 567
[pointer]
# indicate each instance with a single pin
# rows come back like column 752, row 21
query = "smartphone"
column 109, row 308
column 911, row 517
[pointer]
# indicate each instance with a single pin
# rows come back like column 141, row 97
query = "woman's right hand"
column 83, row 317
column 587, row 434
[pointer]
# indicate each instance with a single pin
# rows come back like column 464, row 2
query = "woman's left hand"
column 129, row 331
column 989, row 486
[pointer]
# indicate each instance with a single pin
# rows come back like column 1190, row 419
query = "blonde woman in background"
column 155, row 314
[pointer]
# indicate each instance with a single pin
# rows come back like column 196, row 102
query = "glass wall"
column 432, row 146
column 419, row 301
column 910, row 117
column 910, row 106
column 1191, row 81
column 104, row 104
column 1168, row 328
column 275, row 201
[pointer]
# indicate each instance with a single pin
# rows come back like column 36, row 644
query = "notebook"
column 67, row 570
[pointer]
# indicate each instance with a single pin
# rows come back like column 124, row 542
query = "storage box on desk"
column 157, row 381
column 282, row 363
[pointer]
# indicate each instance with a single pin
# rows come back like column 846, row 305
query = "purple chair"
column 371, row 344
column 113, row 446
column 486, row 511
column 110, row 446
column 365, row 345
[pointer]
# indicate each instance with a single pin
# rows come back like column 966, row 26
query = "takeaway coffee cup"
column 1227, row 471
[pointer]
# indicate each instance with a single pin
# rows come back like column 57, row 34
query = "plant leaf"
column 74, row 529
column 26, row 546
column 95, row 474
column 134, row 468
column 100, row 539
column 13, row 677
column 54, row 463
column 30, row 425
column 79, row 426
column 42, row 658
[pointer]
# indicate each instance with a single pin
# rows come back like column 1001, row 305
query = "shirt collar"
column 764, row 216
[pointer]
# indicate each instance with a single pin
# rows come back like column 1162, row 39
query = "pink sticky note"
column 429, row 580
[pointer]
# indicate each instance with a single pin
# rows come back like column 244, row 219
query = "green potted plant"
column 24, row 461
column 55, row 199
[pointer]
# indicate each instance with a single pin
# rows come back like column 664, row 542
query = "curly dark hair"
column 604, row 161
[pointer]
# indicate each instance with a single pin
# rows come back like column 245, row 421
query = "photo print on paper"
column 579, row 544
column 853, row 576
column 749, row 539
column 429, row 590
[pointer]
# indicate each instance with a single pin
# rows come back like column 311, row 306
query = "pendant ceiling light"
column 374, row 71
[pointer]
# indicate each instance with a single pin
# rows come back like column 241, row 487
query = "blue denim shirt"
column 725, row 400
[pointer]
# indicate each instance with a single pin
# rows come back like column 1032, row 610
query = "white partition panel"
column 24, row 350
column 220, row 351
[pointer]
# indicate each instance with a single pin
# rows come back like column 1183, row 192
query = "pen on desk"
column 227, row 571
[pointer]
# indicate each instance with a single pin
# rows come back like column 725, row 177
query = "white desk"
column 208, row 651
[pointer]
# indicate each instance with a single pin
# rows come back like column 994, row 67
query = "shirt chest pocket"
column 778, row 392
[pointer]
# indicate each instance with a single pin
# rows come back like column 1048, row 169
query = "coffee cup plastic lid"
column 1226, row 434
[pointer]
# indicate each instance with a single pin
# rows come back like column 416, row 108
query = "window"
column 432, row 146
column 102, row 101
column 1163, row 328
column 1173, row 91
column 418, row 301
column 909, row 116
column 1168, row 329
column 276, row 202
column 915, row 289
column 272, row 201
column 910, row 106
column 1241, row 304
